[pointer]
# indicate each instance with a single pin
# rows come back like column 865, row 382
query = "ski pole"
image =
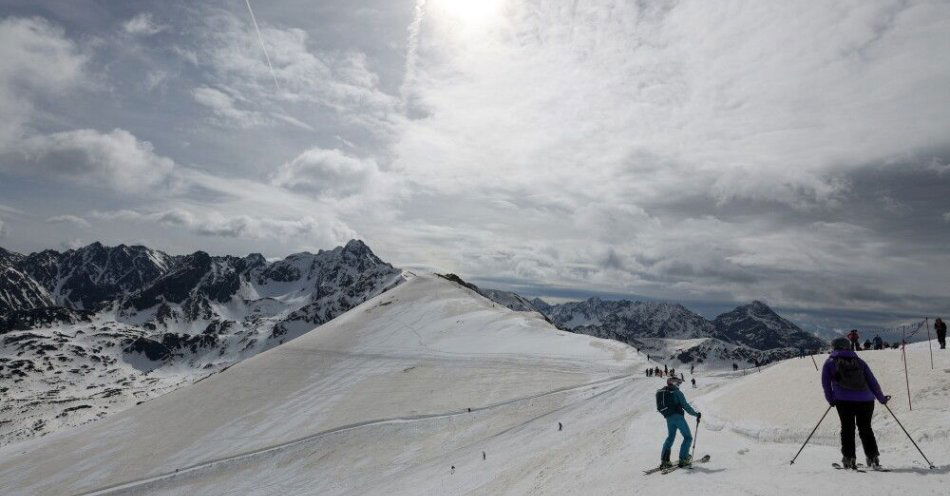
column 929, row 343
column 908, row 436
column 810, row 435
column 696, row 437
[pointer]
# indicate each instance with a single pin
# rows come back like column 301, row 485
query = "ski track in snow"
column 272, row 450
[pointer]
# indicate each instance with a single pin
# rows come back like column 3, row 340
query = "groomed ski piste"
column 431, row 389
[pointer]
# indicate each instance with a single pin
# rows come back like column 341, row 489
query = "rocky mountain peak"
column 758, row 326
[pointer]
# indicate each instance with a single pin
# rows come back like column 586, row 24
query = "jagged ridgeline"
column 748, row 334
column 95, row 329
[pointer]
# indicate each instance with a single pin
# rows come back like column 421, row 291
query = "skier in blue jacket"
column 671, row 402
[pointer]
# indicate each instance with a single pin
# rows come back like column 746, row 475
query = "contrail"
column 261, row 39
column 412, row 48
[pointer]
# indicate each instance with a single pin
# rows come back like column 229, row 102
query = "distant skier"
column 801, row 351
column 851, row 388
column 941, row 329
column 672, row 372
column 694, row 381
column 854, row 339
column 671, row 403
column 734, row 367
column 692, row 369
column 867, row 344
column 878, row 343
column 665, row 370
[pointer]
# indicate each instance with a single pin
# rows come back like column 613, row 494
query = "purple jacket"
column 834, row 392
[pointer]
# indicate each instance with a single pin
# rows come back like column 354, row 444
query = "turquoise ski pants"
column 676, row 423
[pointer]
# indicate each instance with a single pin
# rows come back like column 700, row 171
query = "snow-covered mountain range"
column 94, row 330
column 748, row 334
column 91, row 331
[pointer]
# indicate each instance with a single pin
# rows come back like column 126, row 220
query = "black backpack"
column 849, row 374
column 666, row 402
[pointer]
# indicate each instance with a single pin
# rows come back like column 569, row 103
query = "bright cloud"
column 68, row 220
column 210, row 223
column 326, row 172
column 143, row 25
column 339, row 81
column 36, row 60
column 223, row 105
column 686, row 97
column 117, row 159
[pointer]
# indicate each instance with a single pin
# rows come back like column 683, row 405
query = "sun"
column 467, row 12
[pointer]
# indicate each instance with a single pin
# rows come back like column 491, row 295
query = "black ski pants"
column 942, row 338
column 857, row 413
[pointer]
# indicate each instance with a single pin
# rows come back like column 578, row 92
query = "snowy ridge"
column 427, row 352
column 171, row 320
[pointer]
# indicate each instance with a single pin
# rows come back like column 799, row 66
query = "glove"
column 831, row 403
column 699, row 415
column 886, row 399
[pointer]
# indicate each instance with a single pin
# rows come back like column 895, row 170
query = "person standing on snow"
column 671, row 403
column 851, row 388
column 854, row 338
column 878, row 343
column 941, row 329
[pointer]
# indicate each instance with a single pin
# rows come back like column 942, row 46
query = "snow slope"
column 420, row 354
column 783, row 402
column 377, row 402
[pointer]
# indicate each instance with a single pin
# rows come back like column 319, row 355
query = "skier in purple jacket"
column 851, row 388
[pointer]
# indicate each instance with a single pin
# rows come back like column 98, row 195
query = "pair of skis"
column 666, row 470
column 860, row 468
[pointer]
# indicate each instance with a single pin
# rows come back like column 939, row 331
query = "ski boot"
column 851, row 463
column 665, row 463
column 874, row 463
column 685, row 462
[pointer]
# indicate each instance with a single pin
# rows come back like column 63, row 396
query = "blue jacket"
column 678, row 403
column 834, row 392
